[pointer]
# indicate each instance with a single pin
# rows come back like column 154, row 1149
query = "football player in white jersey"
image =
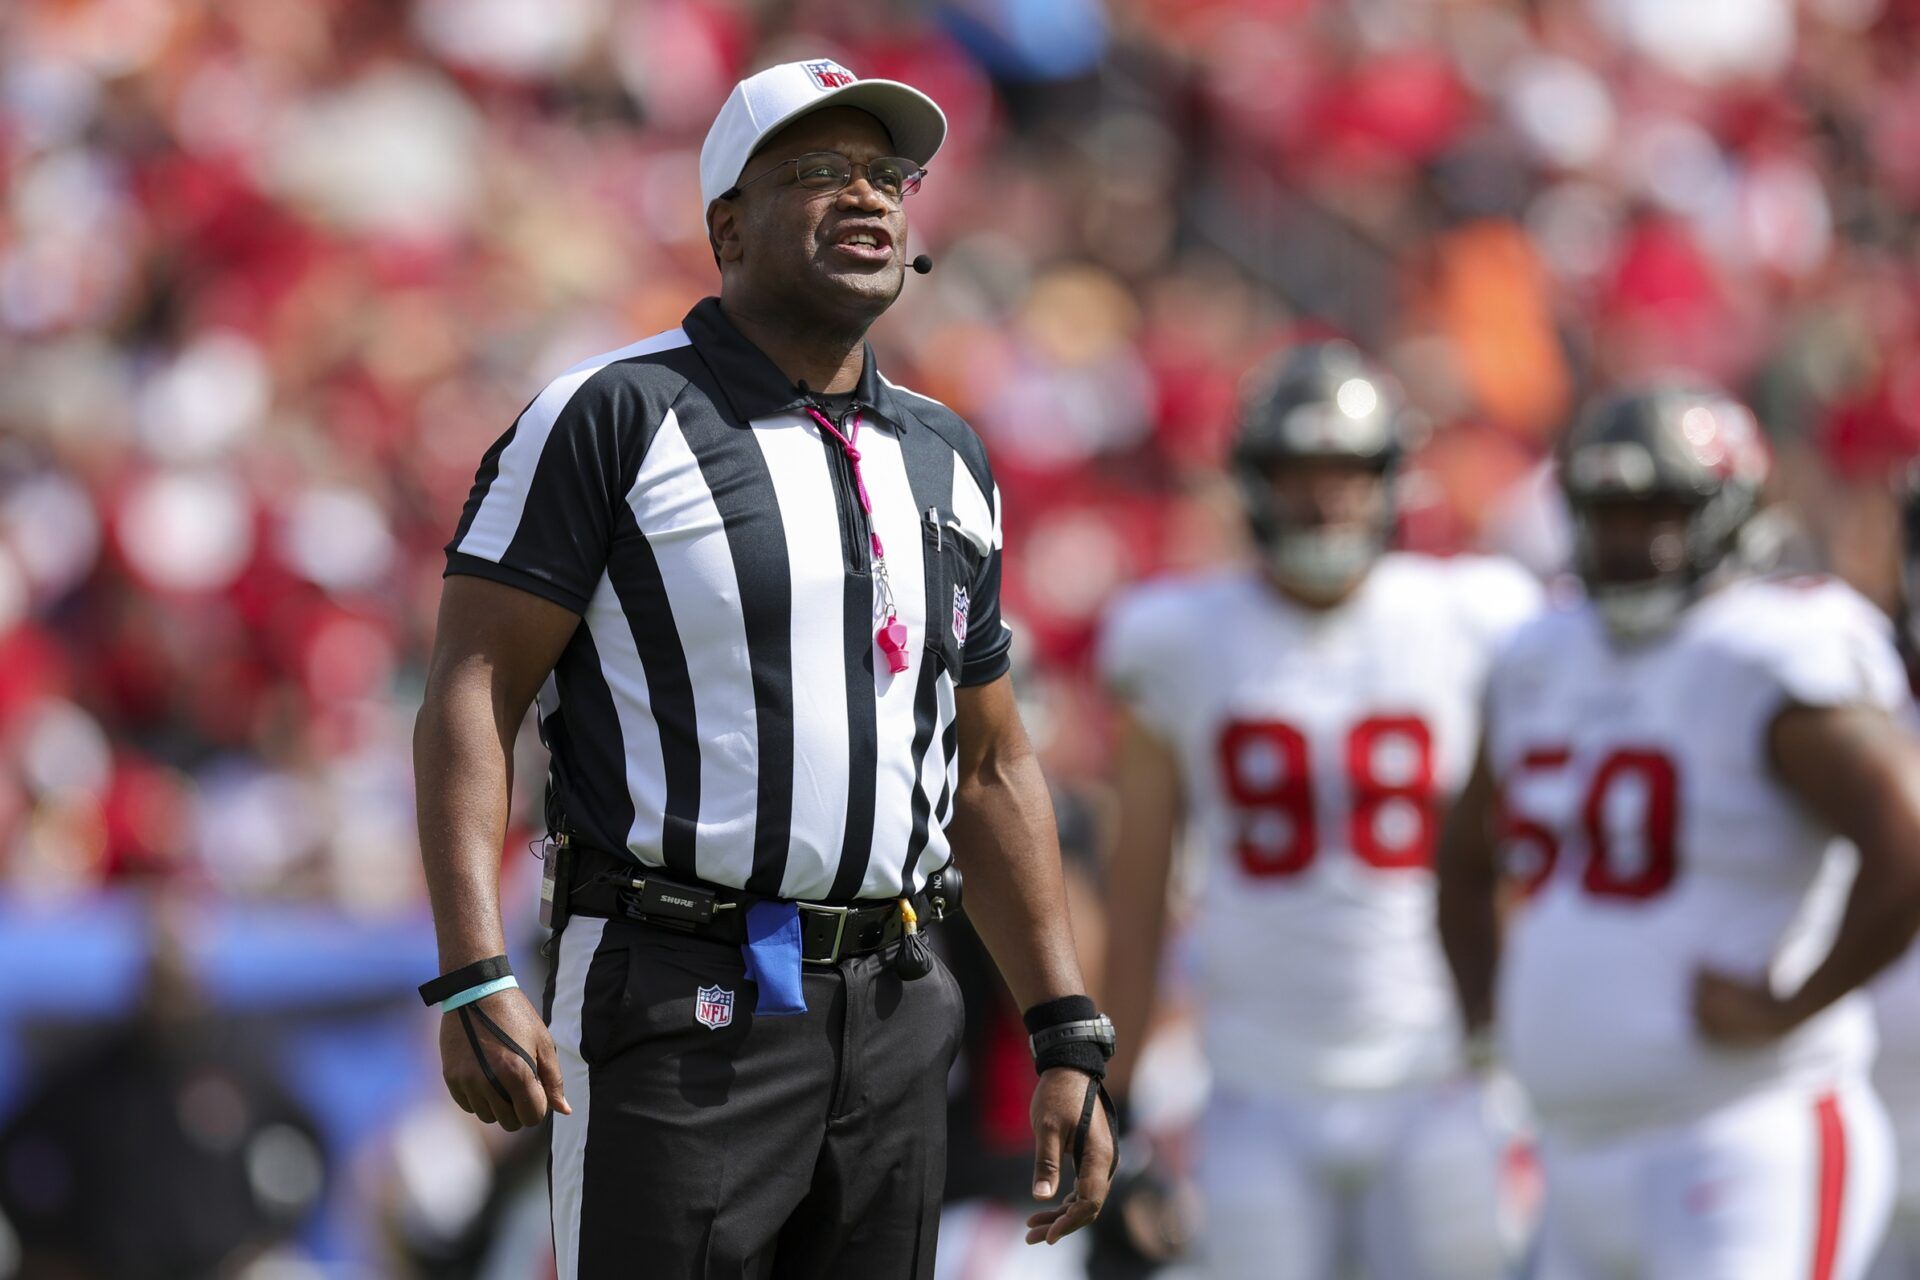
column 1306, row 720
column 1673, row 759
column 1896, row 994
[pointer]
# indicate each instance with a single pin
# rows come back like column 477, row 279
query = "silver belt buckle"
column 840, row 915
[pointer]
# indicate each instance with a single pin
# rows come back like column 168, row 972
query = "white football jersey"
column 1636, row 782
column 1318, row 750
column 1896, row 1006
column 1896, row 1000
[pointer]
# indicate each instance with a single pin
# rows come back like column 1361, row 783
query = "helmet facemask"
column 1318, row 556
column 1640, row 585
column 1661, row 483
column 1315, row 427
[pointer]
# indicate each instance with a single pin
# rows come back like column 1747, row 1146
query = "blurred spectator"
column 165, row 1150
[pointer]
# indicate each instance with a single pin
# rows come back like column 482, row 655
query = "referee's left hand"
column 1057, row 1102
column 528, row 1096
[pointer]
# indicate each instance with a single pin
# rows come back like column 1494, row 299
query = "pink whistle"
column 893, row 642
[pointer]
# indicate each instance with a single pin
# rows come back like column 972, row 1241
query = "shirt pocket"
column 952, row 564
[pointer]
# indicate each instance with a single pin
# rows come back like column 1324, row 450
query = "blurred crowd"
column 273, row 275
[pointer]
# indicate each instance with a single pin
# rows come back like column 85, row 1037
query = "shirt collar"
column 753, row 384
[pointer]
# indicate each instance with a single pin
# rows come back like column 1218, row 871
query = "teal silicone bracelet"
column 480, row 992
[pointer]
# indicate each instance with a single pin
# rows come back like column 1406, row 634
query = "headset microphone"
column 922, row 264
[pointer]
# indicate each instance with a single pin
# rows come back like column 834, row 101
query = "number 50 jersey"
column 1317, row 751
column 1640, row 803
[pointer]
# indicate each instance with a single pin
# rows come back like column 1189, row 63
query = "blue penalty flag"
column 772, row 953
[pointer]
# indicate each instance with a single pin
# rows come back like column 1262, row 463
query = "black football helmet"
column 1321, row 402
column 1675, row 443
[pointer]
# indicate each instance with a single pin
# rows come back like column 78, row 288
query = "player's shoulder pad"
column 1548, row 631
column 1157, row 623
column 1812, row 634
column 1490, row 595
column 1780, row 611
column 1491, row 577
column 1526, row 659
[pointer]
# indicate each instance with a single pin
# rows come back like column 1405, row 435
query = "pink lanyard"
column 892, row 635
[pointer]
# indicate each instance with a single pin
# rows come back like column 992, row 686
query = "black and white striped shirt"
column 723, row 710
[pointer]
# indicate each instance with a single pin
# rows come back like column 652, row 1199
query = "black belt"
column 618, row 888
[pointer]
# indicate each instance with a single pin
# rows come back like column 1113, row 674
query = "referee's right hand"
column 527, row 1095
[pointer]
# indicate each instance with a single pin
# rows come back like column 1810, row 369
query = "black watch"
column 1097, row 1030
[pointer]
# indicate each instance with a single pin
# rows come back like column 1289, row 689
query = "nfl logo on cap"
column 829, row 74
column 713, row 1007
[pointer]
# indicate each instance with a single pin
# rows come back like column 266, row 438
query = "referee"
column 754, row 586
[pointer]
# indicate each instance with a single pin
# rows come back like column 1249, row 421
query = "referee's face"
column 806, row 251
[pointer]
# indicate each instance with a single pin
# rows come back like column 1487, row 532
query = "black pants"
column 707, row 1142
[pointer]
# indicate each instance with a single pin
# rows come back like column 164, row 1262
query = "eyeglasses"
column 893, row 177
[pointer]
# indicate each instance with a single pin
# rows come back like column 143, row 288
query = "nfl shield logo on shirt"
column 960, row 606
column 829, row 74
column 713, row 1007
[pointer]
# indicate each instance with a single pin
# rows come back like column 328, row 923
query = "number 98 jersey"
column 1640, row 808
column 1317, row 751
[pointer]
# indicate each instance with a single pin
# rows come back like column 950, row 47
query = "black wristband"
column 1080, row 1055
column 448, row 985
column 1051, row 1013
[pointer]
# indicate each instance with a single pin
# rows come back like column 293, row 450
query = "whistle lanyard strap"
column 847, row 446
column 851, row 450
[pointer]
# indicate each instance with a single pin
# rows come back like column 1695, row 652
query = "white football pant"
column 1899, row 1085
column 1427, row 1183
column 1791, row 1184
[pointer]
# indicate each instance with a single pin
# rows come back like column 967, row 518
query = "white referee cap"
column 766, row 100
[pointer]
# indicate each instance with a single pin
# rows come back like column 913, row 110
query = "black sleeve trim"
column 477, row 567
column 989, row 666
